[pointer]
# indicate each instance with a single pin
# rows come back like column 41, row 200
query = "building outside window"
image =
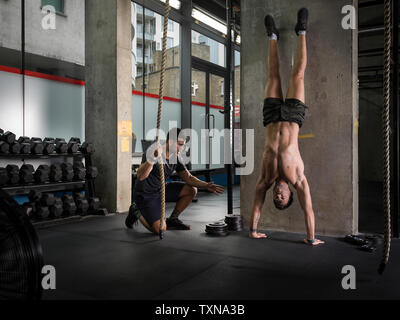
column 57, row 4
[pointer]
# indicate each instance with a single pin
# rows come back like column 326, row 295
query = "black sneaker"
column 133, row 216
column 270, row 26
column 176, row 224
column 302, row 19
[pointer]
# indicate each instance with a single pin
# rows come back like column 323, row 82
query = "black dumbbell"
column 61, row 146
column 25, row 145
column 34, row 196
column 56, row 174
column 73, row 145
column 3, row 177
column 69, row 206
column 41, row 212
column 76, row 140
column 86, row 148
column 49, row 145
column 8, row 137
column 79, row 171
column 13, row 174
column 42, row 174
column 15, row 147
column 47, row 200
column 94, row 205
column 4, row 147
column 56, row 210
column 36, row 146
column 67, row 172
column 26, row 174
column 1, row 131
column 91, row 172
column 82, row 204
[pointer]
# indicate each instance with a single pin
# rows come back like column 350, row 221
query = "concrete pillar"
column 329, row 138
column 108, row 108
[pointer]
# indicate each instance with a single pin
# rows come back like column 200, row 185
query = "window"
column 146, row 73
column 174, row 4
column 208, row 49
column 57, row 4
column 170, row 26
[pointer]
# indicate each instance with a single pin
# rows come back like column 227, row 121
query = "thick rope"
column 160, row 101
column 386, row 135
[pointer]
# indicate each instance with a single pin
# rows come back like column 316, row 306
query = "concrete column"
column 108, row 108
column 329, row 138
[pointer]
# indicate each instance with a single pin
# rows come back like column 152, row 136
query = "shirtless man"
column 281, row 163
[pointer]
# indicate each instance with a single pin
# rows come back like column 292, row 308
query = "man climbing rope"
column 281, row 163
column 146, row 206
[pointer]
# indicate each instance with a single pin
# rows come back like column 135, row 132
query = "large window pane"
column 55, row 64
column 147, row 47
column 11, row 109
column 208, row 49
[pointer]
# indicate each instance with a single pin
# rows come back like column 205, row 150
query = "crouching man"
column 146, row 205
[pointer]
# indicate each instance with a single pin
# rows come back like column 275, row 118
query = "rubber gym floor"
column 98, row 258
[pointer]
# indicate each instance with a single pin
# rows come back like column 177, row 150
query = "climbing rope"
column 160, row 101
column 386, row 135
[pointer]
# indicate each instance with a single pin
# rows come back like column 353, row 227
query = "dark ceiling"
column 218, row 8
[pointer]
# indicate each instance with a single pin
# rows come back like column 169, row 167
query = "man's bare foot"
column 314, row 243
column 257, row 235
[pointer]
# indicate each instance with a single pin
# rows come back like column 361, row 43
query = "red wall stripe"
column 82, row 83
column 10, row 69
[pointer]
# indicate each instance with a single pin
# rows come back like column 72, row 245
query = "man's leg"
column 183, row 195
column 296, row 84
column 273, row 89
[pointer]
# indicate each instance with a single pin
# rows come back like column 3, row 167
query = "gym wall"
column 328, row 139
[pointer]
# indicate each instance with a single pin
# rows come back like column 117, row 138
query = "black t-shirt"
column 152, row 184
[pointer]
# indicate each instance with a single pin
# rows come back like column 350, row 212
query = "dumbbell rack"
column 78, row 186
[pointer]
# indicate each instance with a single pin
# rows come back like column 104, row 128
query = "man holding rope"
column 147, row 203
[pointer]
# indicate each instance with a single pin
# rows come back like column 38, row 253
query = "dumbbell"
column 47, row 200
column 56, row 174
column 79, row 171
column 94, row 205
column 73, row 145
column 26, row 174
column 3, row 177
column 13, row 174
column 56, row 210
column 49, row 145
column 91, row 172
column 25, row 145
column 86, row 148
column 67, row 172
column 8, row 137
column 69, row 206
column 15, row 147
column 34, row 196
column 41, row 213
column 36, row 146
column 42, row 174
column 4, row 147
column 61, row 146
column 82, row 204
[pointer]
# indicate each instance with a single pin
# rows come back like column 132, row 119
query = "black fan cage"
column 21, row 258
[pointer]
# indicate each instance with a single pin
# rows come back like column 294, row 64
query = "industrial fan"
column 21, row 258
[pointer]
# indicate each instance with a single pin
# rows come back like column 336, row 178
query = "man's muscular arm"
column 304, row 195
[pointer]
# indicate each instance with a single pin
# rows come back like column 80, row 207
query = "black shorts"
column 149, row 204
column 290, row 110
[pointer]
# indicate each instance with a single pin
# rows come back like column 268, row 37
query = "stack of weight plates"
column 234, row 222
column 219, row 229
